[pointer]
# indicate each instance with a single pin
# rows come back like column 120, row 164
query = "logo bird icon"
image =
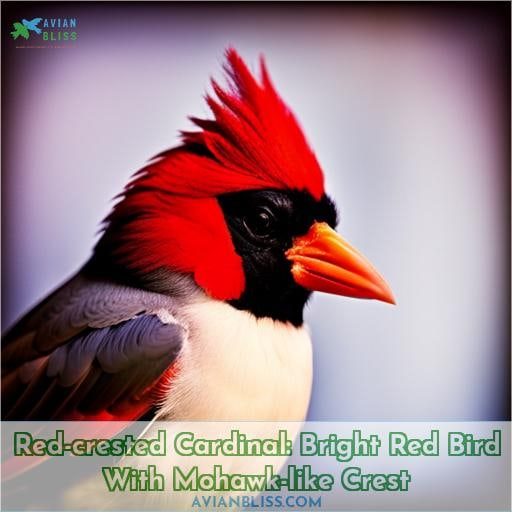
column 32, row 25
column 24, row 28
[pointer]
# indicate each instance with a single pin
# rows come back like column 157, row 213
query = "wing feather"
column 91, row 350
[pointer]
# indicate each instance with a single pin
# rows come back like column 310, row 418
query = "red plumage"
column 255, row 138
column 169, row 216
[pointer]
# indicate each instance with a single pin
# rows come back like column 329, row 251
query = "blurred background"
column 407, row 107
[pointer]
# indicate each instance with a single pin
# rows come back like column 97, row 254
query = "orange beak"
column 323, row 261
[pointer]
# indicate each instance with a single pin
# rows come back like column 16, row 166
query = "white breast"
column 234, row 366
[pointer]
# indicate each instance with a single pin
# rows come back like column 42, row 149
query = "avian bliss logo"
column 47, row 29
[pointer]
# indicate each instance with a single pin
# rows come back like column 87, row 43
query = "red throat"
column 169, row 216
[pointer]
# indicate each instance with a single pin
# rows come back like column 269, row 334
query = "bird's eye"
column 260, row 223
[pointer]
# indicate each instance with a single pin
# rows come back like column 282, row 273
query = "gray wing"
column 92, row 350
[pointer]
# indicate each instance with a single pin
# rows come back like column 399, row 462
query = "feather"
column 169, row 217
column 90, row 351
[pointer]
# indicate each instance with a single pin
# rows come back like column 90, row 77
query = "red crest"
column 168, row 215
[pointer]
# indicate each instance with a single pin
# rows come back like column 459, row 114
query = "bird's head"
column 241, row 207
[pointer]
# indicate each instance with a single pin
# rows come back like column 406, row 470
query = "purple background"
column 407, row 107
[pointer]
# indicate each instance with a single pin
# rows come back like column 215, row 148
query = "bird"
column 32, row 25
column 19, row 30
column 191, row 306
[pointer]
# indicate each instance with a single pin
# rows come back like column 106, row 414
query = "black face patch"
column 263, row 224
